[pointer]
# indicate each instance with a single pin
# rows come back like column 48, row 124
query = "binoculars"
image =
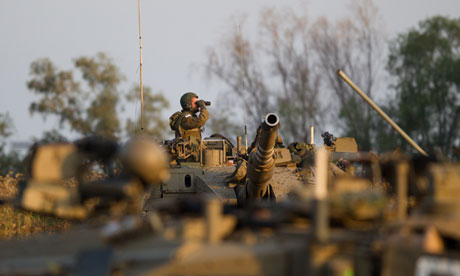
column 207, row 103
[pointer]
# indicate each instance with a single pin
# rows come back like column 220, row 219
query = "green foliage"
column 154, row 126
column 59, row 94
column 103, row 78
column 425, row 63
column 89, row 106
column 51, row 136
column 9, row 161
column 6, row 126
column 88, row 110
column 363, row 123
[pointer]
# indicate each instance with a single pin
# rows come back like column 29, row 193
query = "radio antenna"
column 140, row 67
column 240, row 36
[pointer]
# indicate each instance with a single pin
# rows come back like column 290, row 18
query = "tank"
column 263, row 170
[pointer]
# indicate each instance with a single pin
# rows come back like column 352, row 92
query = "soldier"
column 186, row 124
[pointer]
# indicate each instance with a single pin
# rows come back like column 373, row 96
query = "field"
column 18, row 223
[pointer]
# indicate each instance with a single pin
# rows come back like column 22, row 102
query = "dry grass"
column 18, row 223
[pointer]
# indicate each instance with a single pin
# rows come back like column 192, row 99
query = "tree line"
column 289, row 67
column 87, row 101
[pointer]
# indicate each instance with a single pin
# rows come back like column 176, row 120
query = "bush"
column 9, row 162
column 19, row 223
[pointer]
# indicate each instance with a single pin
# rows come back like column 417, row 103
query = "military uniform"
column 187, row 124
column 187, row 127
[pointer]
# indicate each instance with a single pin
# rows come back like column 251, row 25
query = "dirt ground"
column 284, row 180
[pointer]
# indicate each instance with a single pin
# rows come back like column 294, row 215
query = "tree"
column 292, row 70
column 222, row 122
column 9, row 160
column 272, row 76
column 6, row 126
column 88, row 102
column 425, row 65
column 153, row 105
column 103, row 78
column 236, row 64
column 287, row 45
column 88, row 110
column 356, row 47
column 51, row 136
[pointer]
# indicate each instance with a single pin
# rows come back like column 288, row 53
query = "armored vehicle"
column 265, row 170
column 402, row 218
column 214, row 172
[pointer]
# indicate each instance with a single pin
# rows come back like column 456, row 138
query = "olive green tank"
column 213, row 173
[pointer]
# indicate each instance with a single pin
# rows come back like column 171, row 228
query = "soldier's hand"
column 201, row 104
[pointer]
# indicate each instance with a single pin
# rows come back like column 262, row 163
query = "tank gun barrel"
column 381, row 113
column 261, row 162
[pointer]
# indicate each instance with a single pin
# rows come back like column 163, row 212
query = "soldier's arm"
column 189, row 121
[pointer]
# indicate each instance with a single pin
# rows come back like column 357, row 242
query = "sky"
column 175, row 36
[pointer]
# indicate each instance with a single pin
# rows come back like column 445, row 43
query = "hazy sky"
column 176, row 34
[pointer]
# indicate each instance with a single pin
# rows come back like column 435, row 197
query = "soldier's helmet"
column 186, row 100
